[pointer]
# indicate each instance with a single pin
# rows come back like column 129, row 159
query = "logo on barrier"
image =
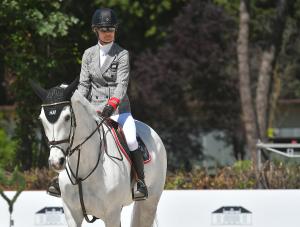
column 231, row 215
column 50, row 216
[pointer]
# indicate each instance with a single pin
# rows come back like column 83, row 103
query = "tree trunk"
column 248, row 113
column 266, row 70
column 263, row 91
column 276, row 89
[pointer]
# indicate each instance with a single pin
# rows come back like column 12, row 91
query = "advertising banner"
column 184, row 208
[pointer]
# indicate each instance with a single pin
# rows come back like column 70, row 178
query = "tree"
column 44, row 40
column 187, row 85
column 29, row 29
column 249, row 117
column 7, row 151
column 268, row 61
column 255, row 114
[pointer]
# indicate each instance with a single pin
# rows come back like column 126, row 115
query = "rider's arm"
column 122, row 76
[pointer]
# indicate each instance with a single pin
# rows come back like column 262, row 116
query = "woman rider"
column 103, row 81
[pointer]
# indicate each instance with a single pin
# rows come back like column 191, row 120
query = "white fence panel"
column 193, row 208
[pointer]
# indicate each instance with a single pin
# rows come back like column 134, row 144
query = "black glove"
column 107, row 111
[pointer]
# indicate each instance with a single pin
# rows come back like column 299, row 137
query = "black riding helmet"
column 104, row 17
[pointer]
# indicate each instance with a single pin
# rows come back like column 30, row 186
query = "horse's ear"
column 39, row 91
column 69, row 90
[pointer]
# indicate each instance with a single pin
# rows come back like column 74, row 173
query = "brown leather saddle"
column 120, row 139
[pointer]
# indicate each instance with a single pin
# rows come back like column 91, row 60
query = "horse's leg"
column 144, row 212
column 113, row 219
column 74, row 218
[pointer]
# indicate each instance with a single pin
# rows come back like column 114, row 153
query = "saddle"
column 120, row 139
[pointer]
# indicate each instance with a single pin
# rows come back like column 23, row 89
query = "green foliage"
column 31, row 29
column 140, row 10
column 35, row 179
column 177, row 95
column 7, row 150
column 38, row 178
column 242, row 166
column 18, row 181
column 288, row 67
column 262, row 14
column 44, row 41
column 273, row 175
column 231, row 7
column 241, row 175
column 55, row 25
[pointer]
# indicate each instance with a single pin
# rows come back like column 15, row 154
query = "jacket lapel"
column 109, row 58
column 96, row 60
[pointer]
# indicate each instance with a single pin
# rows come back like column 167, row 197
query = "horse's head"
column 56, row 117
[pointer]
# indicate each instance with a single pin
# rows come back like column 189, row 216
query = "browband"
column 56, row 103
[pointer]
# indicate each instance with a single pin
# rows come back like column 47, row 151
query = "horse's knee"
column 113, row 219
column 73, row 218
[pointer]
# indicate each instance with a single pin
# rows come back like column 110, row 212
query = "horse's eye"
column 67, row 118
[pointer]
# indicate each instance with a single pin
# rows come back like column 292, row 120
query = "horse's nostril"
column 61, row 161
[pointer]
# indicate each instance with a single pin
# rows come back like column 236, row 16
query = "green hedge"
column 273, row 175
column 7, row 150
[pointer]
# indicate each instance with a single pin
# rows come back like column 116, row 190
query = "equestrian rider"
column 104, row 80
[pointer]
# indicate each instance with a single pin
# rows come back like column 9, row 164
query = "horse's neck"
column 85, row 120
column 85, row 126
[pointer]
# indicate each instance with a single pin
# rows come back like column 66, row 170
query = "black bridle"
column 54, row 143
column 70, row 140
column 70, row 151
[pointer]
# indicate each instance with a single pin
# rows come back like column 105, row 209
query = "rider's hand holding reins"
column 110, row 107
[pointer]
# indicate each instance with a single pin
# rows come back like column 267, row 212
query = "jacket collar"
column 111, row 55
column 109, row 59
column 105, row 48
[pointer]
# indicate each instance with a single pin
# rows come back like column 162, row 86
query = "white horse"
column 105, row 180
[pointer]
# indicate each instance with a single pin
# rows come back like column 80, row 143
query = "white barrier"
column 193, row 208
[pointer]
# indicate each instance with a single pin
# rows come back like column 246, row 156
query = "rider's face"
column 106, row 36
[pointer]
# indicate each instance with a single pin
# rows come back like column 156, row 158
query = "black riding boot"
column 138, row 162
column 53, row 188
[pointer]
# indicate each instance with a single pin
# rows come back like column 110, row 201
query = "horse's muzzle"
column 58, row 165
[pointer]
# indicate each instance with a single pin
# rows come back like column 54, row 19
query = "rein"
column 70, row 139
column 70, row 151
column 70, row 172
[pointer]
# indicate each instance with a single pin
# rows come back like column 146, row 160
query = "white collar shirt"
column 104, row 49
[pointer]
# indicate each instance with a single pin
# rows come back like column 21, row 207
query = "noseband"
column 70, row 139
column 69, row 151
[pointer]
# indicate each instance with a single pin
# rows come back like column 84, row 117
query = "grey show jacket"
column 99, row 84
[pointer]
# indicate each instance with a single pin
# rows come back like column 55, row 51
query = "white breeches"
column 127, row 122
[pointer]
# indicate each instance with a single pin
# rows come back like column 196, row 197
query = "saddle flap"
column 120, row 140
